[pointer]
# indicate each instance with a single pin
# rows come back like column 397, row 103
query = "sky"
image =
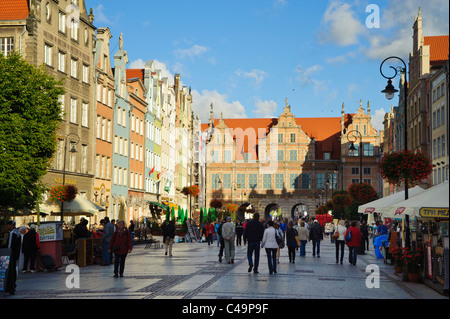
column 247, row 56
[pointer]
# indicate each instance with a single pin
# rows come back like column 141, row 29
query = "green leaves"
column 30, row 116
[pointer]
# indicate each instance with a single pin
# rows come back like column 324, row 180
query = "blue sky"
column 247, row 56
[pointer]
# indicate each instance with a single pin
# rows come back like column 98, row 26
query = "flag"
column 160, row 174
column 167, row 187
column 153, row 169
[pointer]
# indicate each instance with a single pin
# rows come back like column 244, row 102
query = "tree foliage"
column 30, row 115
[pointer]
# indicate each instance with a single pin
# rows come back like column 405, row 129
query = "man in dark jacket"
column 316, row 235
column 253, row 234
column 169, row 235
column 30, row 247
column 14, row 245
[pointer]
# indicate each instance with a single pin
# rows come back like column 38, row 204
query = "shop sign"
column 369, row 210
column 399, row 211
column 50, row 232
column 433, row 212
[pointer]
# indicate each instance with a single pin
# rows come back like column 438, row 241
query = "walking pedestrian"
column 108, row 232
column 239, row 231
column 291, row 242
column 131, row 230
column 14, row 245
column 354, row 242
column 228, row 233
column 253, row 234
column 340, row 241
column 216, row 232
column 280, row 234
column 30, row 247
column 169, row 235
column 303, row 235
column 222, row 244
column 269, row 242
column 209, row 232
column 316, row 235
column 365, row 235
column 22, row 231
column 120, row 245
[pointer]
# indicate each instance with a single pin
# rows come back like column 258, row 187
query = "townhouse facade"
column 426, row 105
column 60, row 35
column 287, row 164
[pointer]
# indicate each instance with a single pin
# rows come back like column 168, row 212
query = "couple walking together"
column 255, row 237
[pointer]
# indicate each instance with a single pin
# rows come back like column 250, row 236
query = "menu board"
column 4, row 264
column 50, row 231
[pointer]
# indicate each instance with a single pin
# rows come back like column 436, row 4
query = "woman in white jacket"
column 340, row 241
column 269, row 242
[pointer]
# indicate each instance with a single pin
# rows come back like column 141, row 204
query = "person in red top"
column 120, row 245
column 209, row 233
column 354, row 242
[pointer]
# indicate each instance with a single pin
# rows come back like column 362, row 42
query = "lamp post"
column 352, row 150
column 390, row 91
column 72, row 150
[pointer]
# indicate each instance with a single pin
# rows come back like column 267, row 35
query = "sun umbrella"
column 79, row 206
column 172, row 213
column 201, row 215
column 433, row 202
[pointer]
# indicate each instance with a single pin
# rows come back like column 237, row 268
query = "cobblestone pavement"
column 195, row 273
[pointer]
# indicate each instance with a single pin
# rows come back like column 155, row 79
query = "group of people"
column 24, row 244
column 274, row 235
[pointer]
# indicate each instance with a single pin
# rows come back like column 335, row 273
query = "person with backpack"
column 353, row 240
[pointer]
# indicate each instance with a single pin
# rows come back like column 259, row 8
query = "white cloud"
column 165, row 73
column 265, row 109
column 202, row 105
column 100, row 17
column 195, row 50
column 341, row 25
column 257, row 76
column 137, row 64
column 377, row 119
column 305, row 78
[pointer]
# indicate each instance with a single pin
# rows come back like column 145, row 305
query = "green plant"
column 405, row 166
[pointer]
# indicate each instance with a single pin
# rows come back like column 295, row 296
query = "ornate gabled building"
column 287, row 164
column 60, row 35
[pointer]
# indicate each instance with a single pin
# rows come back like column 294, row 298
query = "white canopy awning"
column 79, row 206
column 433, row 202
column 382, row 205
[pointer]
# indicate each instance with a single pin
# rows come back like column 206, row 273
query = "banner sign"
column 369, row 210
column 50, row 232
column 433, row 212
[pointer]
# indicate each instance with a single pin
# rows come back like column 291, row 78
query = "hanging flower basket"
column 231, row 208
column 63, row 193
column 191, row 190
column 362, row 193
column 409, row 166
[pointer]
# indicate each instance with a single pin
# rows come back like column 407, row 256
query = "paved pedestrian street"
column 194, row 272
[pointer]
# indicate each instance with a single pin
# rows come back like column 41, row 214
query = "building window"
column 84, row 158
column 73, row 110
column 367, row 170
column 215, row 178
column 280, row 137
column 293, row 155
column 74, row 29
column 355, row 152
column 279, row 181
column 226, row 181
column 62, row 22
column 48, row 54
column 227, row 156
column 320, row 181
column 355, row 170
column 61, row 61
column 327, row 156
column 355, row 180
column 73, row 67
column 292, row 137
column 267, row 181
column 253, row 181
column 85, row 73
column 280, row 156
column 84, row 114
column 306, row 181
column 293, row 181
column 240, row 181
column 6, row 45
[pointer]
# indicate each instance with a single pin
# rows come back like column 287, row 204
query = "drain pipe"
column 20, row 41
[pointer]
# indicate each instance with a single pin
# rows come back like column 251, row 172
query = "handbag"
column 297, row 239
column 335, row 235
column 349, row 235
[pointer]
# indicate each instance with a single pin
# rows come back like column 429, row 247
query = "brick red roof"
column 325, row 130
column 438, row 48
column 135, row 73
column 14, row 9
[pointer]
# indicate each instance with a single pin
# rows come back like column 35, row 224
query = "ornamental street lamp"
column 390, row 91
column 352, row 149
column 72, row 150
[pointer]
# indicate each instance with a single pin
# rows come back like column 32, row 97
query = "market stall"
column 429, row 216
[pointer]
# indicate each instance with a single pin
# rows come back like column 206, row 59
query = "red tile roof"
column 135, row 73
column 438, row 48
column 325, row 130
column 14, row 9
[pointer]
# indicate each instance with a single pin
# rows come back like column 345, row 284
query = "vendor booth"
column 51, row 238
column 429, row 216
